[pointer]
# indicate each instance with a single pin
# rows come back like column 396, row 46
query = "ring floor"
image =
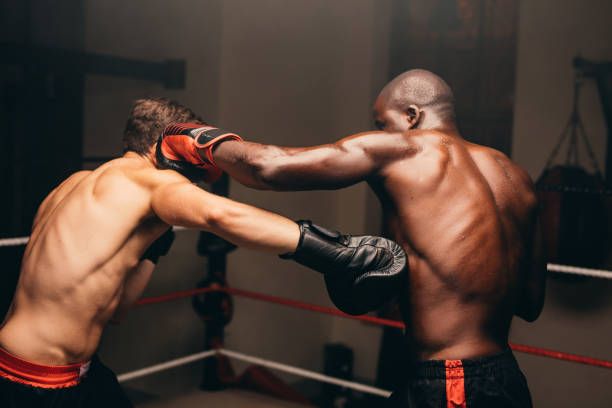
column 225, row 398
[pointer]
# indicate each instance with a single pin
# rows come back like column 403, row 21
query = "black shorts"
column 24, row 384
column 492, row 381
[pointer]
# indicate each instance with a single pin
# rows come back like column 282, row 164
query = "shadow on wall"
column 579, row 294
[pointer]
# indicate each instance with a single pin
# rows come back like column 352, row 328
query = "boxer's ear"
column 413, row 114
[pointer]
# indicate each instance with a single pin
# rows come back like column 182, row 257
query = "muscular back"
column 465, row 215
column 82, row 266
column 88, row 234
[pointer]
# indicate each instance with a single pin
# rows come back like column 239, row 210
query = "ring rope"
column 372, row 319
column 577, row 270
column 165, row 366
column 254, row 360
column 311, row 307
column 271, row 299
column 305, row 373
column 567, row 269
column 6, row 242
column 561, row 356
column 177, row 295
column 575, row 189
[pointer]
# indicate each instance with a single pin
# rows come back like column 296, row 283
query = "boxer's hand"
column 159, row 247
column 187, row 148
column 361, row 272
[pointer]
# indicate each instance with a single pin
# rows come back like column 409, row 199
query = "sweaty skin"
column 465, row 214
column 81, row 266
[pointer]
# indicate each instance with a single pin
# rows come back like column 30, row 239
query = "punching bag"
column 573, row 216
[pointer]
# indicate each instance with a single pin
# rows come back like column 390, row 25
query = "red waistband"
column 16, row 369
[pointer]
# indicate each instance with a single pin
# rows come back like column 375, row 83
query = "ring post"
column 214, row 308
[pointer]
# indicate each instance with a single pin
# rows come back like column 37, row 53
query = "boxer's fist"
column 361, row 272
column 187, row 148
column 159, row 247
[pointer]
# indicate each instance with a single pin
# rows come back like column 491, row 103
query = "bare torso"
column 464, row 214
column 88, row 235
column 82, row 265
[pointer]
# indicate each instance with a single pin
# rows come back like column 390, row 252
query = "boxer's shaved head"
column 148, row 117
column 422, row 88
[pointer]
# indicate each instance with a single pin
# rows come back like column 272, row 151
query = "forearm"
column 186, row 205
column 251, row 164
column 531, row 299
column 269, row 167
column 531, row 302
column 133, row 288
column 253, row 228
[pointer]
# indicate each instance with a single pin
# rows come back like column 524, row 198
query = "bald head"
column 421, row 88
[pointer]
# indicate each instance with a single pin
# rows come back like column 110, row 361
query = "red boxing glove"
column 180, row 147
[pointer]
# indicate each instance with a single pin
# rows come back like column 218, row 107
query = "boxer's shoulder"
column 59, row 193
column 427, row 146
column 69, row 183
column 155, row 178
column 494, row 162
column 124, row 174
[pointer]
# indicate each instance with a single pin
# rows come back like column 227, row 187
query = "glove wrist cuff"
column 318, row 248
column 210, row 137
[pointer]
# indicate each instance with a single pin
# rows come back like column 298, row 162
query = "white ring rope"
column 571, row 270
column 306, row 373
column 576, row 270
column 165, row 366
column 254, row 360
column 6, row 242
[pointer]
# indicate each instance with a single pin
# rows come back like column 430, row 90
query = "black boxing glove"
column 179, row 145
column 159, row 247
column 361, row 272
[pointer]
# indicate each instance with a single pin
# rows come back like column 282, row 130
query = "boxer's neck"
column 431, row 121
column 148, row 159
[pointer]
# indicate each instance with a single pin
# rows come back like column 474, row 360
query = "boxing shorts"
column 27, row 384
column 491, row 381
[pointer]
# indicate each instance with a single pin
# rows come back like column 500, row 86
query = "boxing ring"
column 300, row 372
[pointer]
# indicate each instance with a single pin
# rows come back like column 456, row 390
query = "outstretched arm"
column 331, row 166
column 184, row 204
column 361, row 272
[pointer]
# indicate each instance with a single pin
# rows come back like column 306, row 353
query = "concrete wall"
column 295, row 73
column 576, row 316
column 298, row 73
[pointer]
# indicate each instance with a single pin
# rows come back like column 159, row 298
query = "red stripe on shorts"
column 455, row 384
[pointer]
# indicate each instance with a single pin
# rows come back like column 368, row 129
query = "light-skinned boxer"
column 89, row 259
